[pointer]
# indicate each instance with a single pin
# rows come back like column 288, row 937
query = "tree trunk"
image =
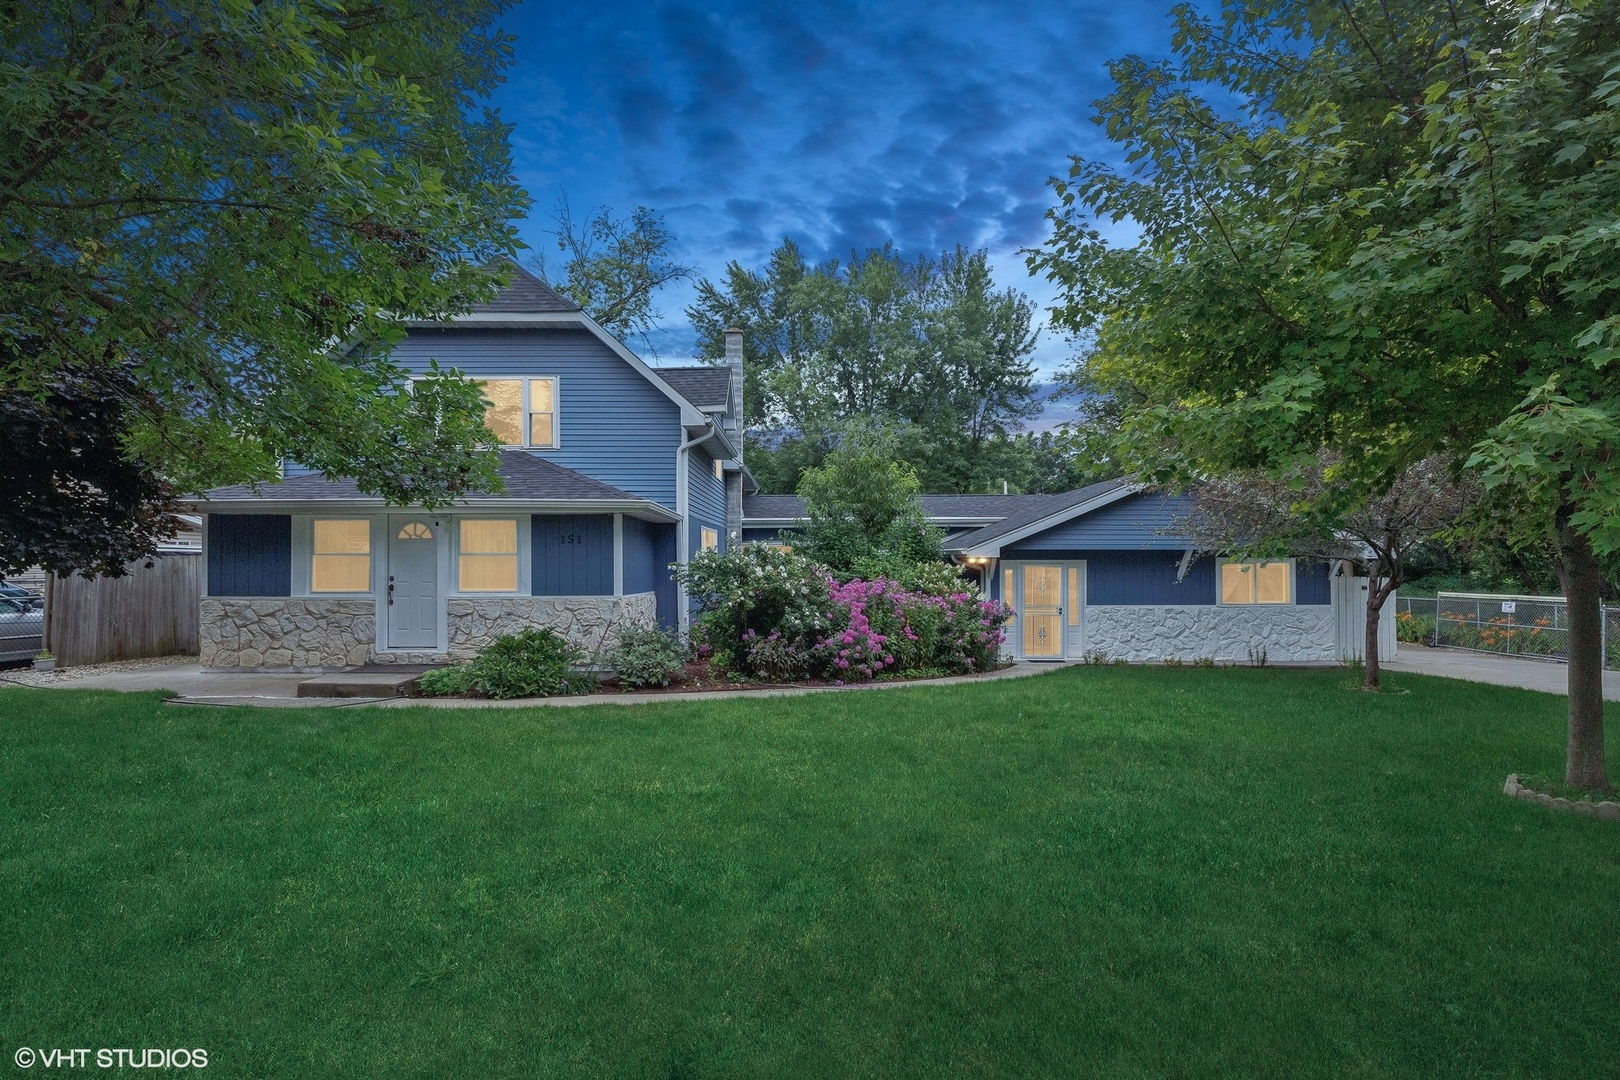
column 1378, row 591
column 1583, row 590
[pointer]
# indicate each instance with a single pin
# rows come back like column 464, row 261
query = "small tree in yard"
column 864, row 516
column 1260, row 514
column 1390, row 234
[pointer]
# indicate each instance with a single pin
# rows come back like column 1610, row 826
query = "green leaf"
column 1569, row 153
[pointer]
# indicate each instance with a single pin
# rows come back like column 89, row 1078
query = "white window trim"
column 524, row 586
column 303, row 555
column 1293, row 584
column 525, row 380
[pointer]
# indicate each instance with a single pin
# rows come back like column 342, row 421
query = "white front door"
column 413, row 583
column 1048, row 602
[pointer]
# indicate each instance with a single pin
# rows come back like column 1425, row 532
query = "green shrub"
column 751, row 592
column 647, row 656
column 452, row 681
column 535, row 662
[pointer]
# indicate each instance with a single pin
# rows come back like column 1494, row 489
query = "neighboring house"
column 614, row 470
column 1101, row 572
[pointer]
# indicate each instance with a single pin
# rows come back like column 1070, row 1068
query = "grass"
column 1100, row 872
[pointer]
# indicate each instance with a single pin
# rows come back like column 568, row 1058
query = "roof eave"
column 991, row 547
column 641, row 507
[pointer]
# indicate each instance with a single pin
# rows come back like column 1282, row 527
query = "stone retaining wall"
column 1286, row 633
column 313, row 634
column 301, row 634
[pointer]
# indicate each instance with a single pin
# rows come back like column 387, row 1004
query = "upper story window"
column 708, row 539
column 488, row 556
column 719, row 469
column 340, row 559
column 522, row 412
column 1257, row 583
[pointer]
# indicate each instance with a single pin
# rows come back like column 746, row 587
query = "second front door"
column 413, row 583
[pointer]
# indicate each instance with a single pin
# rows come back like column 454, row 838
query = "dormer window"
column 522, row 412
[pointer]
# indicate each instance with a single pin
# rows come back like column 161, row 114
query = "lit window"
column 709, row 539
column 719, row 470
column 341, row 560
column 488, row 561
column 1256, row 583
column 543, row 412
column 503, row 409
column 1074, row 596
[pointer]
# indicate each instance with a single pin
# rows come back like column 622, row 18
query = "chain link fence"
column 1531, row 626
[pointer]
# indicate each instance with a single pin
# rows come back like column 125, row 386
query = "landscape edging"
column 1607, row 810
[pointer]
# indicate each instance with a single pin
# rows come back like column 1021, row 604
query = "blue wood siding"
column 1312, row 582
column 614, row 425
column 572, row 554
column 249, row 555
column 649, row 548
column 706, row 498
column 1147, row 578
column 640, row 575
column 1134, row 523
column 663, row 538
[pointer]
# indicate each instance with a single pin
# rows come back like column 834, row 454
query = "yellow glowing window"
column 1074, row 596
column 709, row 540
column 488, row 560
column 1256, row 583
column 1007, row 592
column 719, row 470
column 503, row 409
column 341, row 560
column 543, row 412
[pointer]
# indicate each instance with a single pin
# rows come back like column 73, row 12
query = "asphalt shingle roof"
column 1053, row 504
column 526, row 294
column 707, row 385
column 526, row 476
column 985, row 507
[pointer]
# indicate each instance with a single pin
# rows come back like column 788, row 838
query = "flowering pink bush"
column 779, row 616
column 887, row 629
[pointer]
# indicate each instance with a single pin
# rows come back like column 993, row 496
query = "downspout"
column 683, row 535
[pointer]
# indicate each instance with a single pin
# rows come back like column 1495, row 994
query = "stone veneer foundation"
column 314, row 634
column 1286, row 633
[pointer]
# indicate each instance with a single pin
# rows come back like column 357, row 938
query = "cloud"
column 841, row 126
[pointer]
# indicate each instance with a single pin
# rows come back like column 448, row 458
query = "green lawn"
column 1103, row 871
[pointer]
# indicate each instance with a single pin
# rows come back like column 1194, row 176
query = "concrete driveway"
column 1543, row 675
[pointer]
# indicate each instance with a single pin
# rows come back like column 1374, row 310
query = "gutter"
column 683, row 533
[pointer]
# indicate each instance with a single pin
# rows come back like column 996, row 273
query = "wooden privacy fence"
column 147, row 612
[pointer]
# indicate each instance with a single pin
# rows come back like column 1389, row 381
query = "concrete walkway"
column 194, row 686
column 1544, row 675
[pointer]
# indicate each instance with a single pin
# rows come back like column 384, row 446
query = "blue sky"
column 840, row 125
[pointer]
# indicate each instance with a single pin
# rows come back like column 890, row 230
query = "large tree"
column 1384, row 230
column 929, row 346
column 614, row 267
column 223, row 212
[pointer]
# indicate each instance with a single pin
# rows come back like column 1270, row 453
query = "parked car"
column 26, row 597
column 21, row 630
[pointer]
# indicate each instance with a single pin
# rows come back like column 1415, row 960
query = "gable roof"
column 706, row 386
column 1036, row 518
column 526, row 294
column 527, row 477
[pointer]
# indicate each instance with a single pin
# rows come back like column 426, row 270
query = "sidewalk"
column 194, row 686
column 1544, row 675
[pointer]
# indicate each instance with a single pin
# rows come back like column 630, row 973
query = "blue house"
column 614, row 470
column 1103, row 572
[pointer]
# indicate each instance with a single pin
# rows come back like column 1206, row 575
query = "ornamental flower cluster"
column 765, row 613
